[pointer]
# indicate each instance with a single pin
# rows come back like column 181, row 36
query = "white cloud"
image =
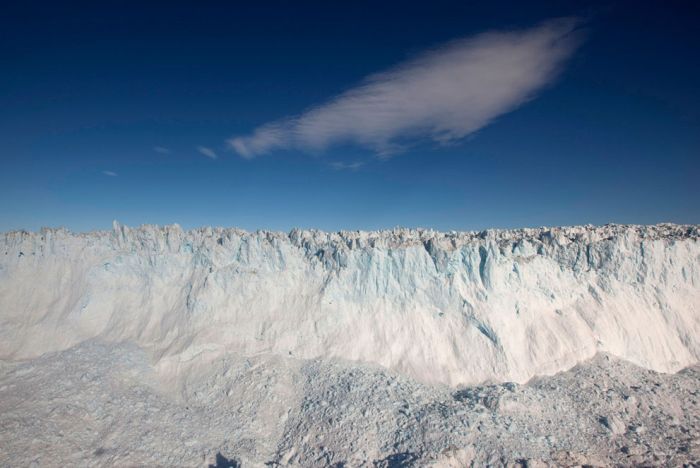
column 445, row 94
column 341, row 166
column 110, row 173
column 208, row 152
column 161, row 150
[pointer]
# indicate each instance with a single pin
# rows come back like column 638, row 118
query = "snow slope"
column 452, row 308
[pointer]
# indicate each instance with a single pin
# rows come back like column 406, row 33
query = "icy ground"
column 101, row 404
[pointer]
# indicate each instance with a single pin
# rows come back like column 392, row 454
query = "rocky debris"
column 103, row 404
column 614, row 424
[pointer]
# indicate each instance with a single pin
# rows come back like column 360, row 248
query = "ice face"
column 452, row 308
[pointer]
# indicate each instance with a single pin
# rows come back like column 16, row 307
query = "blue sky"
column 263, row 115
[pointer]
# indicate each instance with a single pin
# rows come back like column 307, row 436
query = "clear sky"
column 349, row 115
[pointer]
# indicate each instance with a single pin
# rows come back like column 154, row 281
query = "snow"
column 155, row 346
column 441, row 308
column 100, row 404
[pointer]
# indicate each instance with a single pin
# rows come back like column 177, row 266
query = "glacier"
column 448, row 308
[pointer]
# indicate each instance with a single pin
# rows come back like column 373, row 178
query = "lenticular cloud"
column 444, row 94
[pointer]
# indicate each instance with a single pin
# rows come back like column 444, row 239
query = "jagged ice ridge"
column 453, row 308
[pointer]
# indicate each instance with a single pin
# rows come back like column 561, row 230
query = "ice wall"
column 454, row 308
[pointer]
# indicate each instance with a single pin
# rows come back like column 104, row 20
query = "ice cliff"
column 453, row 308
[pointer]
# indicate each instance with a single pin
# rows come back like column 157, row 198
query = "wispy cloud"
column 445, row 94
column 110, row 173
column 342, row 166
column 208, row 152
column 161, row 150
